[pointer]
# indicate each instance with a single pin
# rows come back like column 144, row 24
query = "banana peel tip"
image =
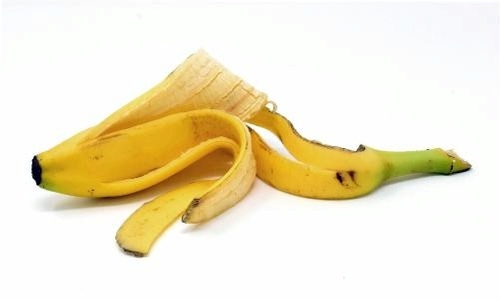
column 458, row 164
column 36, row 170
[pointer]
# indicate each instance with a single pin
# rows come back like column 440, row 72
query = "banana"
column 132, row 159
column 197, row 112
column 331, row 172
column 157, row 135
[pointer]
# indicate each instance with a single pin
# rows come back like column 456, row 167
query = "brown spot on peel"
column 352, row 174
column 187, row 214
column 339, row 178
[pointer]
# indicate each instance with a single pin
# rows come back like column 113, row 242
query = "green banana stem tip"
column 425, row 161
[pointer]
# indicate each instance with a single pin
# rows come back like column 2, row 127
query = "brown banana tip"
column 36, row 170
column 187, row 214
column 134, row 253
column 128, row 251
column 185, row 218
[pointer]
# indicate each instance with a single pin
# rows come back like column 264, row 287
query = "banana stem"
column 424, row 161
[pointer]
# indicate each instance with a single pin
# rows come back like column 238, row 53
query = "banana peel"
column 199, row 109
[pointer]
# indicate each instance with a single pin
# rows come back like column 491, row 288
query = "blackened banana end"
column 36, row 170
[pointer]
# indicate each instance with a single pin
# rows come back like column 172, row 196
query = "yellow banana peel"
column 202, row 108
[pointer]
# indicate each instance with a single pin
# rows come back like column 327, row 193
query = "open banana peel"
column 200, row 109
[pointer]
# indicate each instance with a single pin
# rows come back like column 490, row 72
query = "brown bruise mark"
column 352, row 174
column 339, row 178
column 195, row 202
column 361, row 148
column 97, row 157
column 187, row 214
column 133, row 253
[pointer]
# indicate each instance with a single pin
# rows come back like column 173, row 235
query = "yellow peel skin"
column 197, row 111
column 147, row 223
column 331, row 172
column 294, row 177
column 132, row 159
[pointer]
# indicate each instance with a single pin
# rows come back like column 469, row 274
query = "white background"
column 391, row 76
